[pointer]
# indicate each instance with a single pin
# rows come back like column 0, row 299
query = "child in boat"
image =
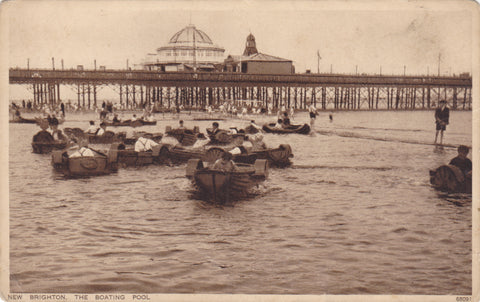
column 461, row 161
column 225, row 163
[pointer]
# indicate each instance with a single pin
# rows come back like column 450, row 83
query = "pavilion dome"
column 189, row 46
column 190, row 34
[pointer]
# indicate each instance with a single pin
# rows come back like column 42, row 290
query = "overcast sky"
column 386, row 35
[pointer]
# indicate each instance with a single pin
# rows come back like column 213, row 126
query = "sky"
column 365, row 36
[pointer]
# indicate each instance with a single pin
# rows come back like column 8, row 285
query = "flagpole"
column 318, row 61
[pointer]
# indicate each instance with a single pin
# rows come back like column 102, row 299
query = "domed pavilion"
column 189, row 49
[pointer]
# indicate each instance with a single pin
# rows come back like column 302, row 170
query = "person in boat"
column 43, row 136
column 144, row 144
column 242, row 145
column 92, row 129
column 169, row 140
column 57, row 134
column 103, row 114
column 286, row 120
column 254, row 125
column 279, row 124
column 442, row 114
column 201, row 142
column 180, row 125
column 225, row 163
column 54, row 120
column 134, row 118
column 215, row 128
column 83, row 151
column 462, row 162
column 312, row 111
column 102, row 129
column 115, row 118
column 257, row 142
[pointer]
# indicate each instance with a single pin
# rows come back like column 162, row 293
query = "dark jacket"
column 442, row 115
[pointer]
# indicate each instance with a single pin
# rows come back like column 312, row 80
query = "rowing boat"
column 97, row 163
column 299, row 129
column 222, row 185
column 130, row 123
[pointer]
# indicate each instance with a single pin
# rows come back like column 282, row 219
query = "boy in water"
column 442, row 114
column 461, row 160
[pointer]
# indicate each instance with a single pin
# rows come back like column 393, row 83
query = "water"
column 355, row 214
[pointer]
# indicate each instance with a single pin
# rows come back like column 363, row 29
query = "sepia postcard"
column 239, row 150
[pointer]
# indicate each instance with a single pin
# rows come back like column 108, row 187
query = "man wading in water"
column 442, row 114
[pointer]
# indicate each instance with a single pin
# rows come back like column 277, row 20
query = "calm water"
column 354, row 215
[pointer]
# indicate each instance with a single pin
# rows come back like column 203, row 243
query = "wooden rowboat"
column 130, row 157
column 47, row 147
column 450, row 178
column 221, row 185
column 299, row 129
column 186, row 137
column 130, row 123
column 21, row 120
column 179, row 154
column 279, row 157
column 99, row 164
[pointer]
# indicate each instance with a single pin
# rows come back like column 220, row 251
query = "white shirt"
column 101, row 131
column 92, row 129
column 144, row 144
column 83, row 152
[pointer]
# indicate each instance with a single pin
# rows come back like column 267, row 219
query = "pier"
column 137, row 88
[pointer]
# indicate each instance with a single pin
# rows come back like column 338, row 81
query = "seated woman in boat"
column 103, row 128
column 462, row 162
column 225, row 163
column 144, row 144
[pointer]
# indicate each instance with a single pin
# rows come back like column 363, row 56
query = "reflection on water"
column 353, row 215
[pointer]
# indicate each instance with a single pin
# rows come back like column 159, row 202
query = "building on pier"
column 254, row 62
column 189, row 49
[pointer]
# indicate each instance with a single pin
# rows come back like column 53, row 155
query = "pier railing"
column 19, row 76
column 199, row 89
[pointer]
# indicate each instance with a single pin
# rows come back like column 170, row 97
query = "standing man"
column 442, row 114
